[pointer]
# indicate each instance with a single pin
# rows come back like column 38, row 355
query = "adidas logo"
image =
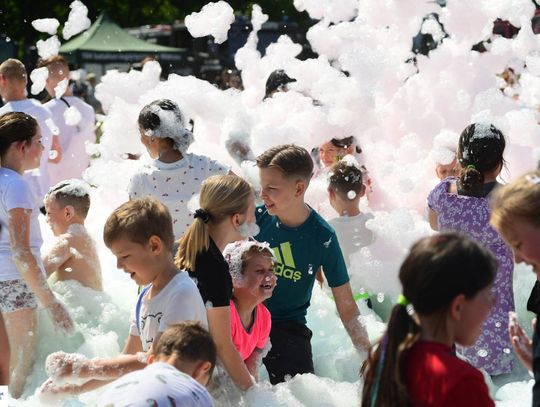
column 285, row 266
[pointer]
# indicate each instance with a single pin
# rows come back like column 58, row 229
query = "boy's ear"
column 151, row 358
column 201, row 373
column 156, row 245
column 301, row 187
column 69, row 211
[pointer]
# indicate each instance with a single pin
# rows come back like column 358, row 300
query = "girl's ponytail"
column 384, row 370
column 437, row 269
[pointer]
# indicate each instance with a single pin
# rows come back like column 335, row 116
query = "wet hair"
column 293, row 161
column 73, row 193
column 520, row 199
column 221, row 196
column 276, row 81
column 13, row 70
column 345, row 143
column 189, row 341
column 345, row 177
column 138, row 220
column 164, row 119
column 238, row 254
column 437, row 269
column 480, row 150
column 14, row 127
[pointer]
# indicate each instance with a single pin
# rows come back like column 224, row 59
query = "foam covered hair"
column 234, row 252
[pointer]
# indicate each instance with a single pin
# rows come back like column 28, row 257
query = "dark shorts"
column 290, row 353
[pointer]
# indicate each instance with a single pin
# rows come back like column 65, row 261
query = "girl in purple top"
column 462, row 205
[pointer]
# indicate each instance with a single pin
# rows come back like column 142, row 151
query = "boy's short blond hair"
column 138, row 220
column 72, row 193
column 345, row 177
column 13, row 70
column 293, row 161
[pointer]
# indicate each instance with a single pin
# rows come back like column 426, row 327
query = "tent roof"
column 105, row 36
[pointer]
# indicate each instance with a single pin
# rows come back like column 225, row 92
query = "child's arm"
column 55, row 146
column 133, row 345
column 4, row 355
column 349, row 314
column 219, row 324
column 433, row 219
column 19, row 233
column 57, row 256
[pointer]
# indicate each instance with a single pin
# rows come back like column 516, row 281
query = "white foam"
column 39, row 78
column 77, row 21
column 48, row 48
column 214, row 19
column 46, row 25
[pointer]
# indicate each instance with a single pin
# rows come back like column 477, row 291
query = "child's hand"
column 61, row 319
column 60, row 366
column 521, row 343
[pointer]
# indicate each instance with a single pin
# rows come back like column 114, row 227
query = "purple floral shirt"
column 470, row 216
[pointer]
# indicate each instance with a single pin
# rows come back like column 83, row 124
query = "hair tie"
column 402, row 300
column 202, row 214
column 471, row 167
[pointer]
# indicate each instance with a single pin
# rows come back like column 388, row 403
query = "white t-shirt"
column 73, row 138
column 352, row 233
column 38, row 179
column 178, row 301
column 15, row 193
column 174, row 185
column 159, row 385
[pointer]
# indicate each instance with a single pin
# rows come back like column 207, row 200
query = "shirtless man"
column 74, row 256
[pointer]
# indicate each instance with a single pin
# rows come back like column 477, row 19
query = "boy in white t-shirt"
column 345, row 189
column 175, row 175
column 75, row 119
column 178, row 371
column 139, row 233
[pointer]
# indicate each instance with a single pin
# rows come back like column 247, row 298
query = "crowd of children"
column 230, row 283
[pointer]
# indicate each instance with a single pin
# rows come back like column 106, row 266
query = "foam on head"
column 235, row 255
column 346, row 178
column 163, row 119
column 73, row 192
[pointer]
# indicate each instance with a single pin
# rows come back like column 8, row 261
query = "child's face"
column 278, row 192
column 330, row 154
column 445, row 171
column 524, row 238
column 34, row 149
column 135, row 259
column 258, row 279
column 56, row 216
column 475, row 311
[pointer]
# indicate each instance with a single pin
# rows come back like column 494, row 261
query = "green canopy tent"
column 105, row 42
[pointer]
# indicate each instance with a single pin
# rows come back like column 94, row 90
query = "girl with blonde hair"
column 226, row 214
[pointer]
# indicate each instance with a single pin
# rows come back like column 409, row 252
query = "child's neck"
column 169, row 155
column 434, row 329
column 349, row 210
column 167, row 273
column 295, row 216
column 245, row 307
column 13, row 163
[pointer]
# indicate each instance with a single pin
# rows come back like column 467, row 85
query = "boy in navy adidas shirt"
column 303, row 243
